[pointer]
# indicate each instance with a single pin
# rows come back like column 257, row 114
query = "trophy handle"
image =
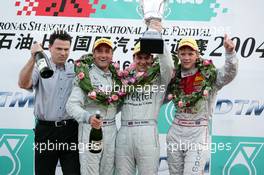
column 139, row 10
column 167, row 12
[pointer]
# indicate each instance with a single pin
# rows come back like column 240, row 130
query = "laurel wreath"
column 131, row 79
column 177, row 95
column 82, row 68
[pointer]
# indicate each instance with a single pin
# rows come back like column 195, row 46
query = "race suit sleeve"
column 166, row 66
column 75, row 104
column 228, row 72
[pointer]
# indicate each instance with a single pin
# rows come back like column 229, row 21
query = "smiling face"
column 60, row 51
column 103, row 55
column 143, row 61
column 188, row 57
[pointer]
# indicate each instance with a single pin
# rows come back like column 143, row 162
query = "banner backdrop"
column 237, row 130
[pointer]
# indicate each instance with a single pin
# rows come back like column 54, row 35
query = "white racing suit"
column 188, row 144
column 81, row 108
column 137, row 143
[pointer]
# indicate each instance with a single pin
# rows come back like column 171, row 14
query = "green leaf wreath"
column 132, row 79
column 177, row 95
column 82, row 67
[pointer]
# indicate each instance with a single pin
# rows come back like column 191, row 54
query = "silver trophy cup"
column 151, row 41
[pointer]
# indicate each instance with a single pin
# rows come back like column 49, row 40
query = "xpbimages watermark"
column 188, row 145
column 108, row 89
column 58, row 146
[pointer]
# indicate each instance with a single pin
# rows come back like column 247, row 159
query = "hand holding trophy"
column 153, row 10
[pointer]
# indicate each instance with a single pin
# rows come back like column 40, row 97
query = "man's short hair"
column 59, row 34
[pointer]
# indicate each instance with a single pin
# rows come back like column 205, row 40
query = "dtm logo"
column 13, row 99
column 201, row 10
column 73, row 8
column 239, row 107
column 15, row 156
column 166, row 116
column 242, row 159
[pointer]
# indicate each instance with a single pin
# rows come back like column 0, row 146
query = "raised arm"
column 166, row 66
column 228, row 72
column 25, row 75
column 166, row 61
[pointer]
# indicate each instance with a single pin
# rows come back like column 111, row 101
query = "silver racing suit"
column 137, row 143
column 81, row 108
column 188, row 144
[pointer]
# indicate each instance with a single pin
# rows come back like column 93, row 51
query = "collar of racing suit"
column 189, row 72
column 101, row 72
column 191, row 81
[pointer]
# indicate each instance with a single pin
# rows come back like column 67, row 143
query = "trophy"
column 151, row 41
